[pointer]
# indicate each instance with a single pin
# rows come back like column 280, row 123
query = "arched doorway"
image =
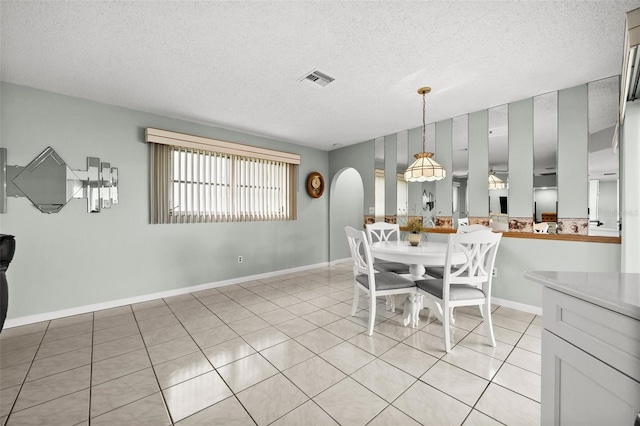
column 346, row 206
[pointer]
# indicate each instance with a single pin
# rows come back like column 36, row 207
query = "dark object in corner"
column 7, row 248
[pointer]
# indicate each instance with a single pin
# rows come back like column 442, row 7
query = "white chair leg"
column 488, row 324
column 481, row 311
column 356, row 294
column 391, row 304
column 372, row 312
column 446, row 325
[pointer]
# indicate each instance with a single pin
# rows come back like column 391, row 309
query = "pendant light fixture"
column 495, row 182
column 425, row 168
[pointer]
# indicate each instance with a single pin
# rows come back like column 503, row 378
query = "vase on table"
column 414, row 238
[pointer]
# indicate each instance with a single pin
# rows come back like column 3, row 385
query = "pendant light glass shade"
column 425, row 168
column 495, row 182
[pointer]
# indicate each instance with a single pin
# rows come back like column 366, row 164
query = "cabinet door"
column 578, row 389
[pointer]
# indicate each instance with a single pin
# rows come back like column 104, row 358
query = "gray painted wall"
column 573, row 153
column 478, row 164
column 346, row 198
column 521, row 158
column 517, row 255
column 390, row 172
column 73, row 259
column 630, row 188
column 443, row 156
column 361, row 158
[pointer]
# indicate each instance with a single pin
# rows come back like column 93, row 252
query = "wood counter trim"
column 535, row 236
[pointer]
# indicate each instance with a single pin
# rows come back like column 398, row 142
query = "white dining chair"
column 541, row 228
column 466, row 284
column 438, row 271
column 463, row 221
column 369, row 281
column 382, row 231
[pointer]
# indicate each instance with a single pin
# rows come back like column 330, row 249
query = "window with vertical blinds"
column 195, row 179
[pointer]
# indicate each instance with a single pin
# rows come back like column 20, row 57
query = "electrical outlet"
column 372, row 210
column 494, row 273
column 240, row 259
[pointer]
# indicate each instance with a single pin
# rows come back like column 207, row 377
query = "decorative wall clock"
column 315, row 184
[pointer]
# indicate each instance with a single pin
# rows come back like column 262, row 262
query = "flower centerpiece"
column 414, row 226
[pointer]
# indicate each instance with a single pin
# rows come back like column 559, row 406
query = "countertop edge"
column 624, row 309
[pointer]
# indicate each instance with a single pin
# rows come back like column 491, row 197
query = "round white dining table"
column 426, row 253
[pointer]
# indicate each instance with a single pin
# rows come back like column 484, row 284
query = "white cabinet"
column 590, row 363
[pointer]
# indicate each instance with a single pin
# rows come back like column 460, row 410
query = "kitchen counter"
column 619, row 292
column 590, row 348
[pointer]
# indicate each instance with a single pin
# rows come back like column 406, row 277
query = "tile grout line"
column 146, row 348
column 93, row 327
column 26, row 375
column 501, row 365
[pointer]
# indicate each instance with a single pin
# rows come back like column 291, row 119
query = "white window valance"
column 183, row 140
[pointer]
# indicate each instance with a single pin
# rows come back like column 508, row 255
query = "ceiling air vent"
column 317, row 78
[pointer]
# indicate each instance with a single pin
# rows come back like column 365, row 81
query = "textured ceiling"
column 237, row 64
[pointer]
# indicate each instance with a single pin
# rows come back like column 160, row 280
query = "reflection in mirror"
column 460, row 169
column 429, row 215
column 402, row 194
column 498, row 166
column 93, row 185
column 114, row 185
column 604, row 217
column 105, row 185
column 379, row 179
column 545, row 151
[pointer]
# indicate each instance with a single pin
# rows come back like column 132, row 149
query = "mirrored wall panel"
column 604, row 164
column 460, row 170
column 497, row 180
column 429, row 188
column 379, row 179
column 480, row 162
column 402, row 193
column 545, row 155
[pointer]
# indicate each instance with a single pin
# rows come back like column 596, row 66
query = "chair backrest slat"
column 361, row 254
column 382, row 231
column 480, row 250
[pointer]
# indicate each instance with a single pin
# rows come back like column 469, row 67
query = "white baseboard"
column 516, row 305
column 47, row 316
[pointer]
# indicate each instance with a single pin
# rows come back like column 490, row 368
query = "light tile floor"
column 282, row 351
